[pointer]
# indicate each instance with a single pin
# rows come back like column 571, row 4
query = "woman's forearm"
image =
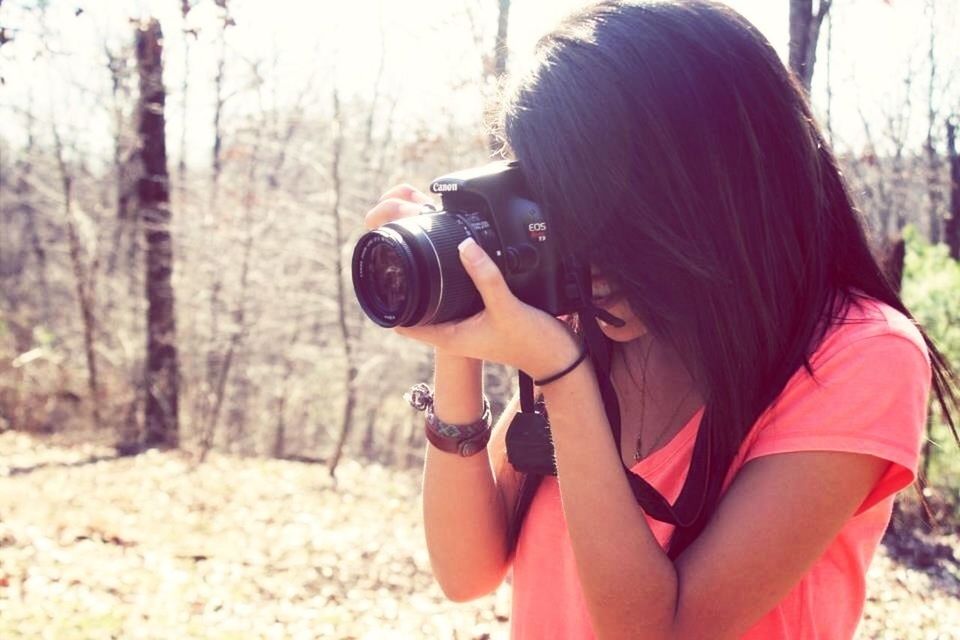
column 629, row 583
column 464, row 516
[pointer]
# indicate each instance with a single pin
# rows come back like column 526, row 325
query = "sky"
column 426, row 47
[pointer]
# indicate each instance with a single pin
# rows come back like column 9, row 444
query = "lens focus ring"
column 458, row 297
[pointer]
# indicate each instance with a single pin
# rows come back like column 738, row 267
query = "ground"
column 157, row 546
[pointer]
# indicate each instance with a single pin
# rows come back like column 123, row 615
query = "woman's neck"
column 666, row 373
column 656, row 392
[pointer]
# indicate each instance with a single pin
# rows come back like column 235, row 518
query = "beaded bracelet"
column 465, row 440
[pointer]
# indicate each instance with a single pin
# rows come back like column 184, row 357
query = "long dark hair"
column 670, row 147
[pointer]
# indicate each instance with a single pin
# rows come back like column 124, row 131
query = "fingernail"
column 470, row 250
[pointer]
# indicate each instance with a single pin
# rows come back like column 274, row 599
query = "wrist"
column 465, row 439
column 560, row 355
column 458, row 385
column 452, row 358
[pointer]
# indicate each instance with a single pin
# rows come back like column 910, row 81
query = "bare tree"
column 185, row 7
column 804, row 32
column 377, row 89
column 220, row 102
column 162, row 373
column 124, row 174
column 216, row 367
column 830, row 79
column 83, row 274
column 493, row 60
column 897, row 130
column 350, row 399
column 500, row 52
column 23, row 191
column 933, row 157
column 279, row 447
column 952, row 226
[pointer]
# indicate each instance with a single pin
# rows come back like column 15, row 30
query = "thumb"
column 485, row 274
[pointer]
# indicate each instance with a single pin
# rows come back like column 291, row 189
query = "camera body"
column 408, row 272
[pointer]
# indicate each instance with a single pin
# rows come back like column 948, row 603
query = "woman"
column 672, row 151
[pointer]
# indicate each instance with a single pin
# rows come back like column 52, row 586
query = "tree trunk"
column 350, row 400
column 416, row 441
column 122, row 226
column 280, row 433
column 370, row 448
column 500, row 52
column 892, row 259
column 84, row 277
column 804, row 33
column 951, row 230
column 153, row 190
column 830, row 81
column 216, row 160
column 24, row 193
column 935, row 218
column 219, row 102
column 185, row 7
column 208, row 402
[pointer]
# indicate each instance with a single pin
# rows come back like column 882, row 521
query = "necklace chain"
column 638, row 452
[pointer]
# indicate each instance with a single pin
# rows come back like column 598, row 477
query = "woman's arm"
column 467, row 501
column 777, row 518
column 466, row 505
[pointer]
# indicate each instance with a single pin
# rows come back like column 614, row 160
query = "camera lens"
column 389, row 279
column 385, row 277
column 408, row 272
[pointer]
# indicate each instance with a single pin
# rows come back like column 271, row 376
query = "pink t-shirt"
column 873, row 380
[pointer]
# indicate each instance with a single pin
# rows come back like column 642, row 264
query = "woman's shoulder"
column 868, row 323
column 869, row 376
column 866, row 393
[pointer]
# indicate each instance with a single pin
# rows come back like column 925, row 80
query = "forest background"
column 182, row 184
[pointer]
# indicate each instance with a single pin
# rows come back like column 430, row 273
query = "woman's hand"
column 506, row 330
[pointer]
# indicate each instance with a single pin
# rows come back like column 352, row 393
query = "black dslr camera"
column 408, row 272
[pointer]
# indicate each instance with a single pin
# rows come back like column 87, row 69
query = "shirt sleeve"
column 869, row 396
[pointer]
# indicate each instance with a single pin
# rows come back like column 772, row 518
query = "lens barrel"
column 408, row 272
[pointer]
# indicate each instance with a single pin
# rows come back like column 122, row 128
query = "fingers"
column 406, row 192
column 390, row 209
column 400, row 201
column 486, row 275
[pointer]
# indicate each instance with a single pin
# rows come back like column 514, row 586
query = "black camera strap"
column 530, row 446
column 690, row 502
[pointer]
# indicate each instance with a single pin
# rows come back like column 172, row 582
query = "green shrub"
column 931, row 290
